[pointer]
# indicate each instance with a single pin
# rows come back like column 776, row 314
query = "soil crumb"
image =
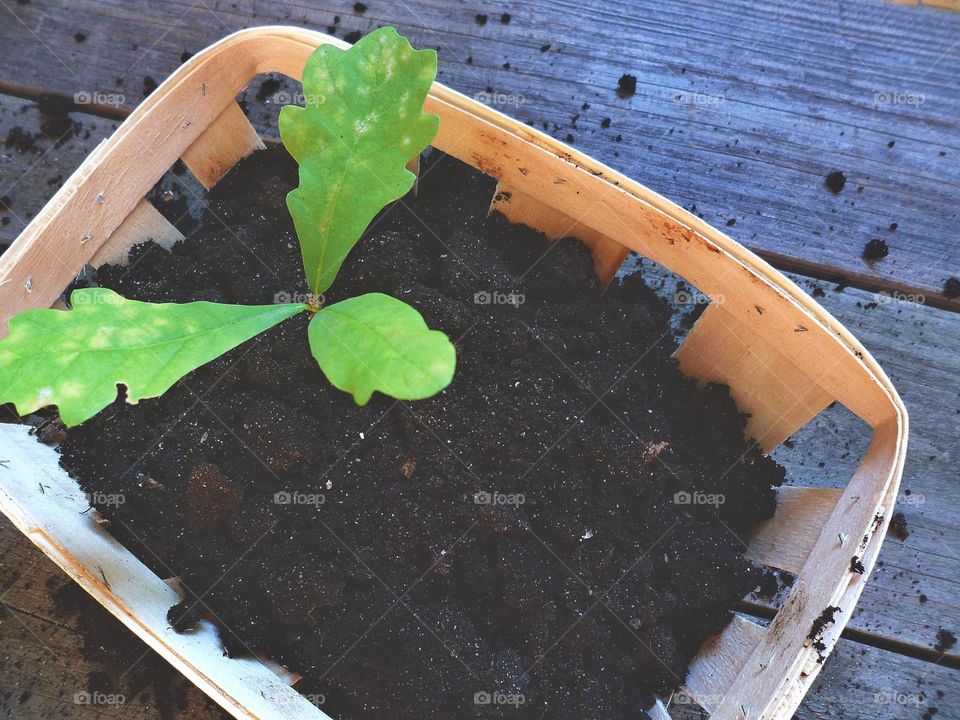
column 835, row 181
column 898, row 526
column 875, row 249
column 627, row 86
column 951, row 288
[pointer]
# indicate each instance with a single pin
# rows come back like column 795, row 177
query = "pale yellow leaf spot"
column 71, row 390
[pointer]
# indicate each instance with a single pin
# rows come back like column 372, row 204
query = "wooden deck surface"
column 742, row 109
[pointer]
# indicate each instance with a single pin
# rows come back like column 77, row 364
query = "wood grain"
column 742, row 108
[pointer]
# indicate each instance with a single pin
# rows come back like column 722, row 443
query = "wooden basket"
column 783, row 356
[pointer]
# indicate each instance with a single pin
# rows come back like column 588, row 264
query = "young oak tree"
column 363, row 121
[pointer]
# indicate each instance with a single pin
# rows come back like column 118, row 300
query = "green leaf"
column 376, row 342
column 362, row 123
column 75, row 359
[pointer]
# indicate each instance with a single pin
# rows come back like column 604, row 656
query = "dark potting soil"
column 543, row 528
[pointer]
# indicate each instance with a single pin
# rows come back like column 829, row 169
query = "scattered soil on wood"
column 559, row 524
column 898, row 526
column 946, row 640
column 876, row 249
column 627, row 86
column 951, row 288
column 835, row 181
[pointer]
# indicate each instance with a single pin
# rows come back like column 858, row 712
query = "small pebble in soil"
column 875, row 249
column 835, row 181
column 627, row 86
column 951, row 288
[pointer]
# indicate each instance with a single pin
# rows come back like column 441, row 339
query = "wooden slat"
column 518, row 207
column 739, row 111
column 225, row 142
column 785, row 540
column 779, row 396
column 144, row 223
column 715, row 668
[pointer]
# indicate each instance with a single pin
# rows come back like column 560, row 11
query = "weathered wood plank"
column 741, row 109
column 38, row 151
